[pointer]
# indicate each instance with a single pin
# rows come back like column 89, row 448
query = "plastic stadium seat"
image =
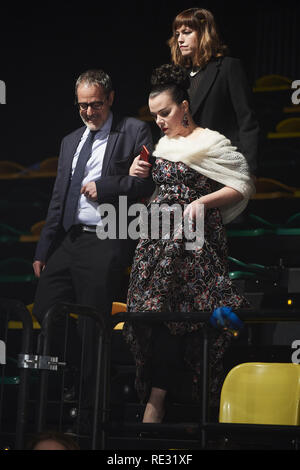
column 291, row 226
column 49, row 165
column 261, row 393
column 268, row 188
column 44, row 169
column 10, row 170
column 272, row 82
column 288, row 128
column 117, row 307
column 263, row 227
column 291, row 109
column 18, row 325
column 253, row 226
column 241, row 270
column 34, row 234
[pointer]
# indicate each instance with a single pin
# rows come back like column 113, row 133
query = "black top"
column 221, row 100
column 194, row 83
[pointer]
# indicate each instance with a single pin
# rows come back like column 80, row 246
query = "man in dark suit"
column 71, row 262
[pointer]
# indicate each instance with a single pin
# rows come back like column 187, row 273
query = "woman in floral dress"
column 194, row 169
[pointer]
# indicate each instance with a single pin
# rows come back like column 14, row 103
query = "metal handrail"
column 44, row 348
column 107, row 322
column 18, row 308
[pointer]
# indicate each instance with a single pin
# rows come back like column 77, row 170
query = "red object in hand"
column 144, row 155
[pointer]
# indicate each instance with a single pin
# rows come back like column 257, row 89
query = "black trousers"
column 82, row 270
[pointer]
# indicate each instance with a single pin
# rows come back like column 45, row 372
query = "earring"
column 185, row 121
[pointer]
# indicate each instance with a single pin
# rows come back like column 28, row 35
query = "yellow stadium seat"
column 10, row 170
column 118, row 307
column 291, row 109
column 286, row 129
column 18, row 325
column 272, row 82
column 269, row 188
column 49, row 165
column 47, row 168
column 261, row 393
column 35, row 232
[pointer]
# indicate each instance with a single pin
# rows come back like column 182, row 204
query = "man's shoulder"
column 75, row 134
column 129, row 122
column 120, row 123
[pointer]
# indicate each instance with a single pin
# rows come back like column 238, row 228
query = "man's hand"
column 90, row 191
column 38, row 267
column 140, row 168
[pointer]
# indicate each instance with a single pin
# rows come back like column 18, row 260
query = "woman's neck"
column 191, row 132
column 188, row 130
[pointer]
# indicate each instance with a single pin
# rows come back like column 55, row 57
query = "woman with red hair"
column 220, row 94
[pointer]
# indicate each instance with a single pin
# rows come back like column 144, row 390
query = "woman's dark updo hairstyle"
column 172, row 78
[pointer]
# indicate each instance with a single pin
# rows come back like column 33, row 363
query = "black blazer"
column 127, row 136
column 223, row 103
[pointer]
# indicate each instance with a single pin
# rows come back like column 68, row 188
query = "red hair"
column 210, row 45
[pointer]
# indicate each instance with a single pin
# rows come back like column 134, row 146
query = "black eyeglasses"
column 93, row 105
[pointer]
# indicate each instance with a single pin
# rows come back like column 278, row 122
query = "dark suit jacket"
column 223, row 103
column 125, row 142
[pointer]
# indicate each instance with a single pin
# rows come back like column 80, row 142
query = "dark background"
column 43, row 50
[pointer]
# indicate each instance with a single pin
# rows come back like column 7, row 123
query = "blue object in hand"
column 223, row 317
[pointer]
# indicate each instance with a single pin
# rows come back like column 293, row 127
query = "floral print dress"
column 167, row 277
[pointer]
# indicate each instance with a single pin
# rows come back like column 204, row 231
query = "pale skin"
column 188, row 41
column 169, row 117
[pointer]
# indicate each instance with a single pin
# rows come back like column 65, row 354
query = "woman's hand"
column 219, row 198
column 140, row 168
column 194, row 209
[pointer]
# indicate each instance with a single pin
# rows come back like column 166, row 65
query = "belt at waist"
column 84, row 228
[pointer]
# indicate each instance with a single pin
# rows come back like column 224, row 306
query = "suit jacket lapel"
column 111, row 142
column 209, row 75
column 73, row 144
column 70, row 151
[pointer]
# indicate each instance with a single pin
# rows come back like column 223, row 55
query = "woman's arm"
column 222, row 197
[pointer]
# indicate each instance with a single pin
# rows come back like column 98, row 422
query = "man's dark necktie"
column 76, row 182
